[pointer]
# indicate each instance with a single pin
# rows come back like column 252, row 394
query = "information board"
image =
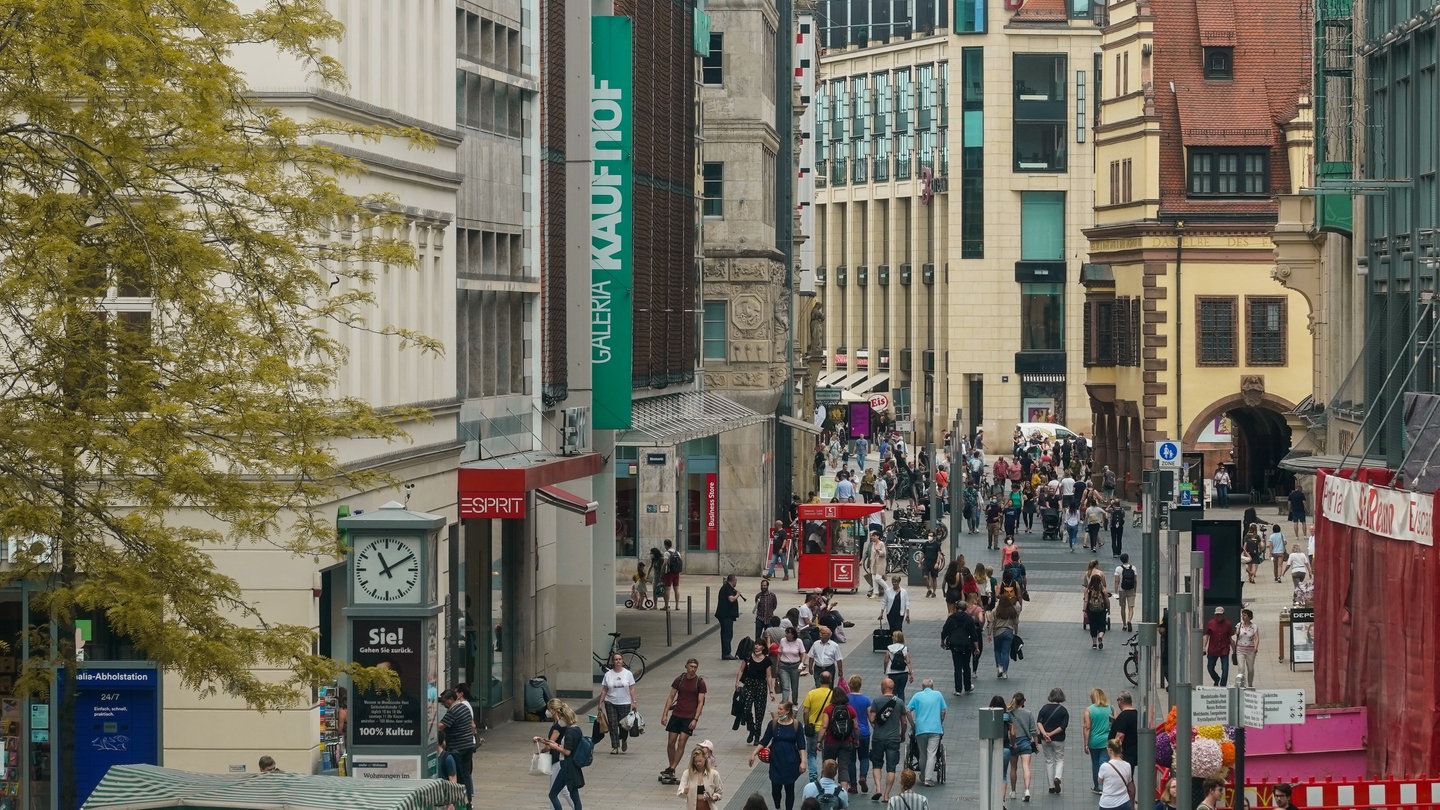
column 380, row 717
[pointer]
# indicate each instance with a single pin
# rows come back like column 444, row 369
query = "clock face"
column 387, row 570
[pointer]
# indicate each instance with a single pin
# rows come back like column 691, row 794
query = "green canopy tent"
column 147, row 787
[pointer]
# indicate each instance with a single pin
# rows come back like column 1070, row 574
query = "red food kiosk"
column 832, row 536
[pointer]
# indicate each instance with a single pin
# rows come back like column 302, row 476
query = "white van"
column 1050, row 429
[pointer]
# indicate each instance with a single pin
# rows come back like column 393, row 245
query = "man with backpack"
column 887, row 733
column 830, row 794
column 674, row 565
column 961, row 636
column 1127, row 580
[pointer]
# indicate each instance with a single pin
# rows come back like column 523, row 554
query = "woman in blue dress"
column 785, row 740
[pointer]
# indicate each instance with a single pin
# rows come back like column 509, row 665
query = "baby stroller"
column 1050, row 524
column 913, row 762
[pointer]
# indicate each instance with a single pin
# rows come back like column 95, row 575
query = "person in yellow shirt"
column 813, row 713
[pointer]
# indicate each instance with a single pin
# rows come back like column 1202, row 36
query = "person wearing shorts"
column 1277, row 549
column 1126, row 596
column 672, row 579
column 682, row 711
column 1297, row 510
column 885, row 740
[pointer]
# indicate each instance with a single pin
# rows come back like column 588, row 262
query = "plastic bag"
column 540, row 763
column 635, row 723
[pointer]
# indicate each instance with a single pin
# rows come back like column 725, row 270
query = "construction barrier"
column 1374, row 794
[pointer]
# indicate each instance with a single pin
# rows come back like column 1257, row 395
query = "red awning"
column 570, row 502
column 838, row 511
column 496, row 488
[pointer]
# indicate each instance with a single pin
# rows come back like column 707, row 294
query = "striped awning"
column 1042, row 378
column 147, row 787
column 682, row 417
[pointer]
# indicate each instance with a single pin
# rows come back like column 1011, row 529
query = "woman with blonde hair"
column 1097, row 733
column 899, row 666
column 700, row 785
column 1117, row 780
column 1024, row 733
column 907, row 798
column 564, row 738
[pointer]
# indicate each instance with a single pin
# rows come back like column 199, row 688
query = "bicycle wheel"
column 941, row 532
column 895, row 560
column 1132, row 669
column 635, row 662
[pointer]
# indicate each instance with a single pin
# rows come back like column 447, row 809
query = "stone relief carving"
column 747, row 312
column 749, row 351
column 1252, row 389
column 749, row 379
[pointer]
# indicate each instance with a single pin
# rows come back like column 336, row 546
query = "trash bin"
column 914, row 558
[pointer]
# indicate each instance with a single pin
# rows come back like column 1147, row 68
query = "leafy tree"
column 178, row 268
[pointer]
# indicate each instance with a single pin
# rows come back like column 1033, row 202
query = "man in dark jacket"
column 727, row 612
column 961, row 636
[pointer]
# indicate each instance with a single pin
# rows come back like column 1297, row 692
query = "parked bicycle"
column 629, row 649
column 1132, row 660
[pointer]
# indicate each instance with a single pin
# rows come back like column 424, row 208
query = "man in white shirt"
column 1067, row 491
column 825, row 656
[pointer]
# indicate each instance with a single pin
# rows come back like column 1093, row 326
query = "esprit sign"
column 492, row 505
column 1393, row 513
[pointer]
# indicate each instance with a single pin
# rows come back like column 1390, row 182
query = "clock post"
column 392, row 609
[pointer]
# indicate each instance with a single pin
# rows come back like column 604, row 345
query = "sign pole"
column 1181, row 686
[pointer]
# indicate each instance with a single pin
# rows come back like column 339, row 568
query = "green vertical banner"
column 612, row 253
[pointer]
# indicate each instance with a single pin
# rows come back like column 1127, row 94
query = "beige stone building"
column 954, row 176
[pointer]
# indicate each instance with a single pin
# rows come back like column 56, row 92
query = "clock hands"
column 386, row 569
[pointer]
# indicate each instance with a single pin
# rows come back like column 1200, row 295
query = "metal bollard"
column 707, row 604
column 689, row 616
column 669, row 642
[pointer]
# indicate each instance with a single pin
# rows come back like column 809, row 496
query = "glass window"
column 970, row 16
column 627, row 501
column 1215, row 339
column 904, row 100
column 1265, row 345
column 884, row 114
column 1042, row 226
column 880, row 170
column 712, row 64
column 904, row 160
column 1042, row 317
column 714, row 190
column 860, row 107
column 861, row 164
column 1229, row 172
column 1219, row 63
column 943, row 94
column 925, row 118
column 972, row 157
column 713, row 331
column 1080, row 9
column 1041, row 125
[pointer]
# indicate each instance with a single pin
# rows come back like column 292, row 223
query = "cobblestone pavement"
column 1057, row 653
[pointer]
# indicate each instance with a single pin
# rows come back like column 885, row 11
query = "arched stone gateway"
column 1260, row 436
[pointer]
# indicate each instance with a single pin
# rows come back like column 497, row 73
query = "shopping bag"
column 540, row 763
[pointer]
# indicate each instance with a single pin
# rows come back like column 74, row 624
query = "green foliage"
column 178, row 265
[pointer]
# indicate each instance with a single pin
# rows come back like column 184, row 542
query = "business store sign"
column 1393, row 513
column 117, row 722
column 377, row 716
column 612, row 252
column 712, row 511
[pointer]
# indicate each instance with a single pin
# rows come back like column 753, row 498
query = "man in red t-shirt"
column 682, row 711
column 1217, row 646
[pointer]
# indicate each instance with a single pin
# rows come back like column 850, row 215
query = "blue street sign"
column 1168, row 452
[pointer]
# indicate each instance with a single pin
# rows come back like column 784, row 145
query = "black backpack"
column 675, row 563
column 1127, row 578
column 830, row 800
column 842, row 726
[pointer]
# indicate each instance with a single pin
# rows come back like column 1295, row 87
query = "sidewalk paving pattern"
column 1057, row 653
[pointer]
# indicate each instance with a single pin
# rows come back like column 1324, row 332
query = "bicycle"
column 1132, row 660
column 629, row 649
